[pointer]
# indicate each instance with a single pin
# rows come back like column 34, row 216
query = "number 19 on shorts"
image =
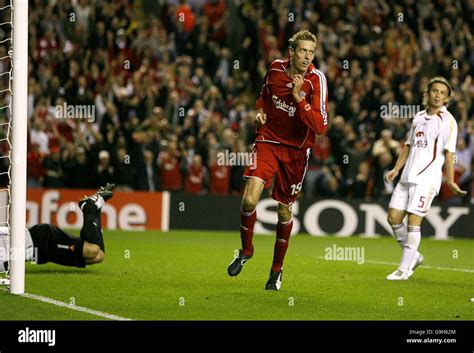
column 296, row 188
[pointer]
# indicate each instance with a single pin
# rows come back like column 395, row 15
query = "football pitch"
column 182, row 275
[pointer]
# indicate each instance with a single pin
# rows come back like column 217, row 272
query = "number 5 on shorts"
column 296, row 188
column 421, row 204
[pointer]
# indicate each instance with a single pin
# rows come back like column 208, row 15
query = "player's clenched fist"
column 297, row 86
column 261, row 117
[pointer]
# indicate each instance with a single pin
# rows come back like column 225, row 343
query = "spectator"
column 356, row 151
column 77, row 171
column 464, row 163
column 125, row 173
column 185, row 14
column 360, row 185
column 197, row 178
column 215, row 11
column 35, row 170
column 386, row 144
column 219, row 178
column 39, row 136
column 382, row 165
column 331, row 183
column 320, row 154
column 105, row 170
column 54, row 175
column 169, row 167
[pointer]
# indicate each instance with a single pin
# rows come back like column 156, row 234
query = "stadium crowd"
column 173, row 84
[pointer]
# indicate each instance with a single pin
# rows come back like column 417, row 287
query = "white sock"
column 410, row 248
column 400, row 233
column 100, row 202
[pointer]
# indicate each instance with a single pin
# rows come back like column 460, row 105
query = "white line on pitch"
column 424, row 266
column 74, row 307
column 421, row 266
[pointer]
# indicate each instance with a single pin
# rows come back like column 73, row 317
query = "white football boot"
column 399, row 275
column 417, row 261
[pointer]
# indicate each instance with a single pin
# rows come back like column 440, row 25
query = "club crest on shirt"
column 420, row 140
column 282, row 105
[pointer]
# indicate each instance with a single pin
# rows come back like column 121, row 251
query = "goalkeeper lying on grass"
column 47, row 243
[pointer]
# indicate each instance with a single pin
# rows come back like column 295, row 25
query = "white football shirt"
column 429, row 137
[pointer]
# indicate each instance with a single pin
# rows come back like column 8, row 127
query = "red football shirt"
column 185, row 14
column 194, row 183
column 220, row 179
column 170, row 174
column 288, row 122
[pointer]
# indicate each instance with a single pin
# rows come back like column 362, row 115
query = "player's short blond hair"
column 437, row 79
column 301, row 35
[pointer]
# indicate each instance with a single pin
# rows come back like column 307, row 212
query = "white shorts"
column 413, row 198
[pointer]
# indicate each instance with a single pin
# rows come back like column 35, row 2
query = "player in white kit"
column 430, row 145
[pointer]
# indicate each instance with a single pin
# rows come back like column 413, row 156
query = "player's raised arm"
column 314, row 115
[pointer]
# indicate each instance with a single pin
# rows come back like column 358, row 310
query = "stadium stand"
column 172, row 80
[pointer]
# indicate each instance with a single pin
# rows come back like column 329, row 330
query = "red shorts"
column 287, row 164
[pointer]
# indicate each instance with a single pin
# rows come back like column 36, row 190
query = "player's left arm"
column 313, row 114
column 449, row 165
column 450, row 149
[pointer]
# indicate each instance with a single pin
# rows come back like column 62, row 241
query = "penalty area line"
column 74, row 307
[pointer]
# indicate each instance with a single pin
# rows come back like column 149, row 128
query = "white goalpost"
column 19, row 139
column 14, row 195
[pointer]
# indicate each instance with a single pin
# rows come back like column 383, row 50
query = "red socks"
column 283, row 233
column 247, row 222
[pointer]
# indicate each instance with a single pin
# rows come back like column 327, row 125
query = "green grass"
column 147, row 275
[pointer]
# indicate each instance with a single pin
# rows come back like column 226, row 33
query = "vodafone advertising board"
column 160, row 211
column 126, row 210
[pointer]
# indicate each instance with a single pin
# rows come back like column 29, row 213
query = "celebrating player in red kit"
column 291, row 109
